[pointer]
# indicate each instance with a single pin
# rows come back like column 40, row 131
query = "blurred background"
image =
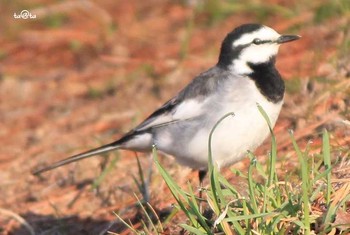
column 77, row 74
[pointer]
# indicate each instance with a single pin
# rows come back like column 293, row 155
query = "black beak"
column 287, row 38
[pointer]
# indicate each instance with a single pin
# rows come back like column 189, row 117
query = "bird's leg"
column 145, row 180
column 201, row 175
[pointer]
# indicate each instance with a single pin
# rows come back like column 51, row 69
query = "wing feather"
column 188, row 103
column 172, row 112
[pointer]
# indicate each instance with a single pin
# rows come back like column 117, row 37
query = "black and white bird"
column 244, row 76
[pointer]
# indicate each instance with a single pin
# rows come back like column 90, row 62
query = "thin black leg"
column 201, row 175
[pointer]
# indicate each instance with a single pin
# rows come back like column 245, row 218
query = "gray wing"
column 187, row 104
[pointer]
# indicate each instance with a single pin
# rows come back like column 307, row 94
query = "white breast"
column 237, row 134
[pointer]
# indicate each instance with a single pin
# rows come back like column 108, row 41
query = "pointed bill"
column 287, row 38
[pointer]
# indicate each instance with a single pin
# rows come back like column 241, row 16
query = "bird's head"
column 250, row 44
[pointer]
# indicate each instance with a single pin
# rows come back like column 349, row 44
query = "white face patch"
column 253, row 53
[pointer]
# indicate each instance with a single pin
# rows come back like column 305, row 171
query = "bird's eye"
column 257, row 41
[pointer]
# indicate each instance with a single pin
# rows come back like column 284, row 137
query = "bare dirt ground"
column 83, row 73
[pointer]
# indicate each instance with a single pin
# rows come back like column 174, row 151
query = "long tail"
column 90, row 153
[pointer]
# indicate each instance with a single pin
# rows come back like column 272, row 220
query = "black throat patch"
column 268, row 80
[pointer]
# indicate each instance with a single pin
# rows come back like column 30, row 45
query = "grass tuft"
column 271, row 205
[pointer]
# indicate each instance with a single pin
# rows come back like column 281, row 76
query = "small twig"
column 110, row 224
column 19, row 218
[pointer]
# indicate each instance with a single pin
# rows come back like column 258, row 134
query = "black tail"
column 90, row 153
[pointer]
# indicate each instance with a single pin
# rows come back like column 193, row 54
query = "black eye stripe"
column 258, row 41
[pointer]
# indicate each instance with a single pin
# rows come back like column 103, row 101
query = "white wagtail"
column 244, row 76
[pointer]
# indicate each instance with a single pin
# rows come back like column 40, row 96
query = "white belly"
column 235, row 135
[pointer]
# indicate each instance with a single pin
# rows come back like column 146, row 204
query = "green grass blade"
column 272, row 175
column 180, row 196
column 213, row 172
column 251, row 216
column 126, row 224
column 251, row 184
column 105, row 172
column 326, row 151
column 273, row 156
column 194, row 209
column 193, row 230
column 304, row 185
column 146, row 214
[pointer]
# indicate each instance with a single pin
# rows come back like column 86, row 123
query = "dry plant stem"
column 20, row 219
